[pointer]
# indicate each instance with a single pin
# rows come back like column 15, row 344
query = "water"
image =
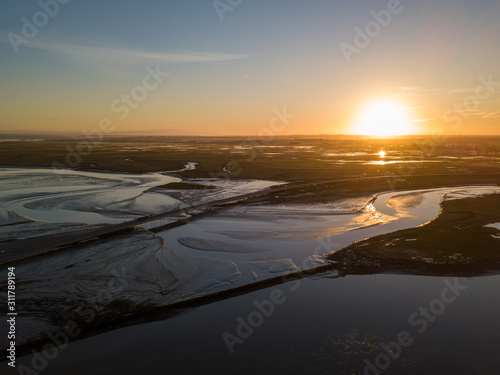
column 68, row 196
column 250, row 237
column 322, row 326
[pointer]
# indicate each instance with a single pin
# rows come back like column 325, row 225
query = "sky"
column 241, row 67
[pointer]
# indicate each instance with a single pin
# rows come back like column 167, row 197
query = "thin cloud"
column 413, row 91
column 118, row 55
column 438, row 91
column 462, row 91
column 419, row 89
column 410, row 88
column 491, row 115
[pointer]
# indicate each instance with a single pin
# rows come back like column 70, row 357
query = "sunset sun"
column 383, row 118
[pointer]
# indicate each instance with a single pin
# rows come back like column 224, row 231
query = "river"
column 322, row 325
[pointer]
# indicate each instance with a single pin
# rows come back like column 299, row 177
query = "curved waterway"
column 320, row 326
column 232, row 247
column 256, row 241
column 67, row 196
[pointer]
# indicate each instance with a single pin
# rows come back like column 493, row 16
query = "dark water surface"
column 315, row 326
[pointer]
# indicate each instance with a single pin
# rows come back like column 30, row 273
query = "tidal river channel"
column 372, row 324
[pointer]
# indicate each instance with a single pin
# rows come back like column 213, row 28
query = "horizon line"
column 142, row 135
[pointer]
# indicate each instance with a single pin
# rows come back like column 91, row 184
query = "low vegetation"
column 458, row 239
column 287, row 158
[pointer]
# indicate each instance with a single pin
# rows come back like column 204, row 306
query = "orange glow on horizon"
column 383, row 118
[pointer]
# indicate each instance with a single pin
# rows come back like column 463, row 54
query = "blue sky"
column 227, row 77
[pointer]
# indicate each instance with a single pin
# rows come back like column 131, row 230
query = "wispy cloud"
column 491, row 115
column 423, row 90
column 120, row 55
column 410, row 88
column 414, row 90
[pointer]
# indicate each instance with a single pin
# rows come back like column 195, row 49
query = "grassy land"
column 411, row 163
column 366, row 187
column 455, row 243
column 281, row 158
column 457, row 237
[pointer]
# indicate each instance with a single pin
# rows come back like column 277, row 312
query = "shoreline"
column 123, row 313
column 141, row 314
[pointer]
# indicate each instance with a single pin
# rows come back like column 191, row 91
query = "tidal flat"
column 343, row 218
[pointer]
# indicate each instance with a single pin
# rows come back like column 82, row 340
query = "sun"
column 383, row 118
